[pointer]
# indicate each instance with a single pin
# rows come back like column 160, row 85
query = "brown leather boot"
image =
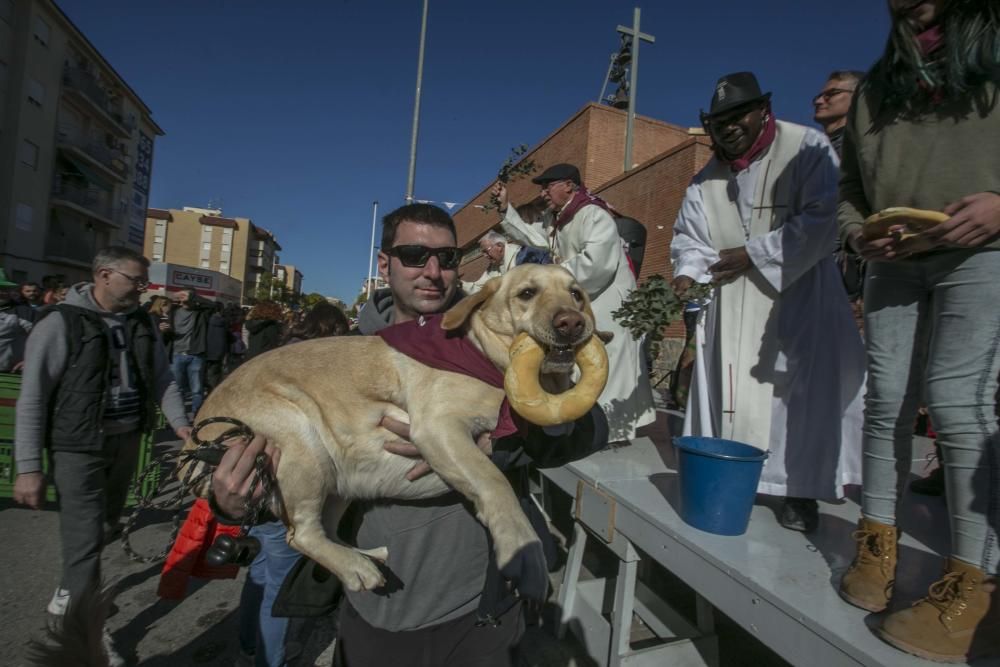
column 957, row 621
column 868, row 582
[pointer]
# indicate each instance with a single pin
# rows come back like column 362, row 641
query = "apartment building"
column 204, row 238
column 290, row 277
column 76, row 147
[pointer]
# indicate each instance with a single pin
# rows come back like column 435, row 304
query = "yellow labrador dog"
column 321, row 403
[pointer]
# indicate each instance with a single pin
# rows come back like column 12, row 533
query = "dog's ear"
column 605, row 336
column 458, row 314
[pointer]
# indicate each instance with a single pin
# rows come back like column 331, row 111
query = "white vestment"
column 589, row 246
column 507, row 262
column 780, row 364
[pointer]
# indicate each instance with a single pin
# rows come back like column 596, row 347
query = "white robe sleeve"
column 691, row 250
column 598, row 249
column 809, row 234
column 534, row 234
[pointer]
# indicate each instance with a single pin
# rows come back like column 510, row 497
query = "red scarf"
column 425, row 341
column 760, row 145
column 930, row 40
column 581, row 198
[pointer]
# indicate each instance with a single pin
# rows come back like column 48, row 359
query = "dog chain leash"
column 208, row 452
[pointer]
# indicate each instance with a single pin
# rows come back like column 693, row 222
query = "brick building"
column 204, row 238
column 76, row 148
column 666, row 158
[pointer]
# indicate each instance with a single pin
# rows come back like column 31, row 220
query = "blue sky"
column 298, row 114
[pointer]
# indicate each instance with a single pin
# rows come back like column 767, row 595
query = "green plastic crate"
column 10, row 387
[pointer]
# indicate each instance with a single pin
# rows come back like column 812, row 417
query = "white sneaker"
column 59, row 602
column 114, row 660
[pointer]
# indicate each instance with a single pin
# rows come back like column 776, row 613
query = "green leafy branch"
column 653, row 306
column 512, row 169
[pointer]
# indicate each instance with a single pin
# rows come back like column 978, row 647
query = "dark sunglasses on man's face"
column 417, row 255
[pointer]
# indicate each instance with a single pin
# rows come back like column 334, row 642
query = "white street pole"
column 416, row 109
column 371, row 256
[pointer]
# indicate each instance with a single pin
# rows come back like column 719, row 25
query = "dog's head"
column 543, row 301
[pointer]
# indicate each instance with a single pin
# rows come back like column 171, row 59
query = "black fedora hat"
column 735, row 90
column 558, row 172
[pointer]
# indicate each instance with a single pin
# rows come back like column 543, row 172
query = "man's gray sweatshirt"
column 45, row 359
column 438, row 551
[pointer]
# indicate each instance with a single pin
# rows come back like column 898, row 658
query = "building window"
column 29, row 154
column 224, row 267
column 206, row 246
column 42, row 31
column 204, row 263
column 36, row 92
column 23, row 218
column 157, row 257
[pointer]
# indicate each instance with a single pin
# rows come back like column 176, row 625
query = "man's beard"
column 125, row 302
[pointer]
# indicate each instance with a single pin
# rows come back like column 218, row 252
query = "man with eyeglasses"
column 95, row 370
column 779, row 361
column 580, row 232
column 833, row 102
column 502, row 255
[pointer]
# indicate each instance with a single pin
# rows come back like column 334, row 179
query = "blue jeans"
column 260, row 633
column 932, row 329
column 188, row 370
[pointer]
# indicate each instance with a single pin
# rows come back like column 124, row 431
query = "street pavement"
column 202, row 628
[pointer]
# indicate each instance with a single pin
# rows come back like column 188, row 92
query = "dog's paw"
column 360, row 573
column 528, row 571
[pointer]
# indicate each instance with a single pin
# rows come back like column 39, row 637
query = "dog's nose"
column 568, row 325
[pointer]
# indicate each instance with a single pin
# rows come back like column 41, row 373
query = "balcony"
column 85, row 87
column 109, row 161
column 88, row 202
column 72, row 242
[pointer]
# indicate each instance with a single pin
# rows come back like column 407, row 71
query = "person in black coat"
column 263, row 327
column 216, row 347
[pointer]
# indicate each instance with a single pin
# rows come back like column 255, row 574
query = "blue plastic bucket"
column 718, row 482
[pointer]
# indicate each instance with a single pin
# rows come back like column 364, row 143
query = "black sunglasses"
column 417, row 255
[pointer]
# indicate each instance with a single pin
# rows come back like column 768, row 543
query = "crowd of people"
column 774, row 222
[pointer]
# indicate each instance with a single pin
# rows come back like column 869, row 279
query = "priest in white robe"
column 582, row 236
column 502, row 255
column 779, row 363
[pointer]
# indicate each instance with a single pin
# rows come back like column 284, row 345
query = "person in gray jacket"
column 95, row 370
column 440, row 607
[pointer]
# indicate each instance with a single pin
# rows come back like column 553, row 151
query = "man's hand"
column 732, row 263
column 681, row 285
column 499, row 192
column 974, row 222
column 164, row 326
column 231, row 479
column 404, row 447
column 18, row 367
column 879, row 250
column 29, row 489
column 183, row 433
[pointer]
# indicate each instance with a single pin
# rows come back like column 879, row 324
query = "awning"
column 87, row 172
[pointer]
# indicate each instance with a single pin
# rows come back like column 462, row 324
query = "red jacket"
column 187, row 557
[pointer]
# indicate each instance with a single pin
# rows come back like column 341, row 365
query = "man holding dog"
column 441, row 606
column 580, row 232
column 779, row 363
column 95, row 371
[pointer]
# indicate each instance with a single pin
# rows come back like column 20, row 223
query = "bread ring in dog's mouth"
column 524, row 390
